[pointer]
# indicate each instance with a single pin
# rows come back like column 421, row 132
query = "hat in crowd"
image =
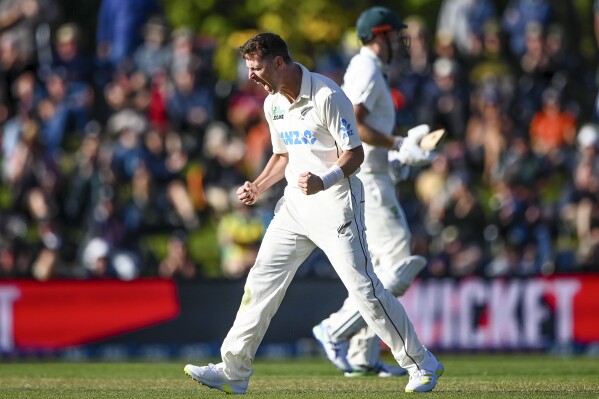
column 67, row 33
column 184, row 33
column 588, row 136
column 444, row 67
column 97, row 248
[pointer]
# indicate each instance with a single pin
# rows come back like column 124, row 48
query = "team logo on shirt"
column 294, row 137
column 305, row 112
column 346, row 129
column 277, row 113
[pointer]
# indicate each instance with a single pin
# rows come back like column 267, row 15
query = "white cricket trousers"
column 334, row 221
column 389, row 239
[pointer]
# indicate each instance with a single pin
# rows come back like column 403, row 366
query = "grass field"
column 466, row 376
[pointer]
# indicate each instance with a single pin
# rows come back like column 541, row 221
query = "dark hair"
column 266, row 45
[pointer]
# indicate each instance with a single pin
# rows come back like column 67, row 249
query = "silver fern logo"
column 304, row 112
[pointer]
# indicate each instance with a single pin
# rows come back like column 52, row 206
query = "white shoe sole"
column 226, row 388
column 430, row 385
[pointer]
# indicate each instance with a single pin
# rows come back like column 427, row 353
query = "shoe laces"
column 421, row 375
column 216, row 368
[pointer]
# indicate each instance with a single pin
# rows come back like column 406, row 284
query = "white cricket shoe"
column 380, row 369
column 424, row 380
column 408, row 270
column 213, row 376
column 336, row 351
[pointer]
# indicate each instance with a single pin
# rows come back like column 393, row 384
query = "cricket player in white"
column 349, row 343
column 317, row 148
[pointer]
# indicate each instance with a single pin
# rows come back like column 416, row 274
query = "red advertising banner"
column 475, row 313
column 59, row 314
column 467, row 314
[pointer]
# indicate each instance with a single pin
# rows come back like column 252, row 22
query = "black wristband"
column 397, row 143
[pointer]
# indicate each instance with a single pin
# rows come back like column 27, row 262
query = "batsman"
column 349, row 343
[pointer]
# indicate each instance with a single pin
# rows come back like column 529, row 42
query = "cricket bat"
column 430, row 141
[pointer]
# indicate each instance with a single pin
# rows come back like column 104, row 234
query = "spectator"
column 15, row 256
column 518, row 17
column 410, row 75
column 28, row 21
column 534, row 77
column 157, row 108
column 492, row 67
column 64, row 109
column 223, row 154
column 596, row 20
column 122, row 112
column 185, row 56
column 126, row 155
column 525, row 227
column 239, row 235
column 487, row 132
column 24, row 104
column 35, row 180
column 596, row 32
column 190, row 103
column 153, row 55
column 463, row 21
column 165, row 165
column 90, row 174
column 100, row 260
column 580, row 210
column 120, row 32
column 462, row 219
column 69, row 58
column 448, row 98
column 522, row 173
column 553, row 130
column 12, row 67
column 177, row 262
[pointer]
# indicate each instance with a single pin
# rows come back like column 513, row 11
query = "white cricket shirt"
column 314, row 129
column 364, row 83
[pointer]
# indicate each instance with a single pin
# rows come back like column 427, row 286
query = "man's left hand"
column 310, row 183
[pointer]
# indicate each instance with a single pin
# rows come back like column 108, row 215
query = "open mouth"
column 266, row 86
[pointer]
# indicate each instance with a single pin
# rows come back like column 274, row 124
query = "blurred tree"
column 310, row 27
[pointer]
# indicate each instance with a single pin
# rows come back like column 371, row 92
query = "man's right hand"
column 410, row 152
column 248, row 193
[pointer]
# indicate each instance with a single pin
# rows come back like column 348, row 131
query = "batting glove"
column 411, row 154
column 416, row 133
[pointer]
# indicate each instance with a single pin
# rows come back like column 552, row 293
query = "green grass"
column 466, row 376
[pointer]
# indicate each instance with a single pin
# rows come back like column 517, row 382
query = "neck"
column 380, row 49
column 292, row 82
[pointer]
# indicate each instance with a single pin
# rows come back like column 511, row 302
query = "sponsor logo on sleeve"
column 346, row 129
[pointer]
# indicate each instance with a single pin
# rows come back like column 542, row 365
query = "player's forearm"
column 368, row 134
column 373, row 137
column 273, row 172
column 350, row 160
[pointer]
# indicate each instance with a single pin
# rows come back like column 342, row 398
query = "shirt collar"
column 367, row 52
column 306, row 88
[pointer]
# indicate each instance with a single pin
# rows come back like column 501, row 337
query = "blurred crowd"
column 113, row 162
